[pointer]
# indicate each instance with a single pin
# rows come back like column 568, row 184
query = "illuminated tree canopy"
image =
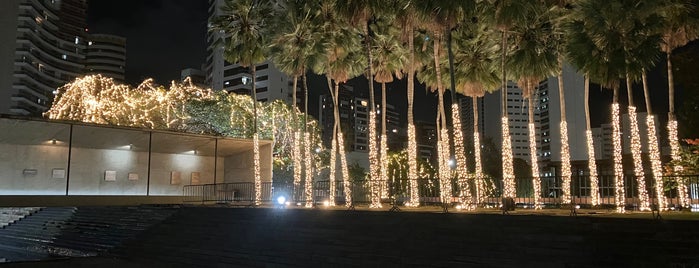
column 182, row 107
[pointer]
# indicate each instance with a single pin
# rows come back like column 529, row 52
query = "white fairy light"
column 656, row 164
column 256, row 167
column 412, row 167
column 592, row 166
column 637, row 161
column 374, row 165
column 384, row 166
column 675, row 151
column 536, row 180
column 480, row 190
column 618, row 167
column 565, row 163
column 333, row 168
column 345, row 170
column 507, row 169
column 298, row 169
column 308, row 189
column 460, row 153
column 444, row 169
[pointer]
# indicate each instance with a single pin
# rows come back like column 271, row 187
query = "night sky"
column 166, row 36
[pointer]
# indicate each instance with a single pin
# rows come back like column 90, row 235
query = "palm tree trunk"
column 672, row 133
column 374, row 158
column 565, row 147
column 616, row 144
column 636, row 149
column 297, row 142
column 334, row 149
column 307, row 150
column 507, row 169
column 443, row 142
column 343, row 158
column 591, row 161
column 654, row 152
column 536, row 181
column 256, row 142
column 477, row 152
column 412, row 142
column 670, row 87
column 457, row 133
column 384, row 145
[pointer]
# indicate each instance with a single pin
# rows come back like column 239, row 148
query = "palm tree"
column 361, row 13
column 390, row 57
column 407, row 18
column 504, row 15
column 242, row 26
column 534, row 59
column 340, row 63
column 293, row 43
column 443, row 16
column 603, row 61
column 681, row 26
column 476, row 53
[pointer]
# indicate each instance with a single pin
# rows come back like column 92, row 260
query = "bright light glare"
column 281, row 200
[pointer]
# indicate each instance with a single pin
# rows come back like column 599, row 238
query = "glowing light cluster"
column 384, row 166
column 374, row 165
column 656, row 164
column 480, row 188
column 565, row 164
column 508, row 175
column 256, row 168
column 308, row 189
column 637, row 161
column 298, row 169
column 592, row 166
column 333, row 169
column 618, row 167
column 412, row 168
column 444, row 169
column 675, row 151
column 345, row 170
column 536, row 180
column 460, row 153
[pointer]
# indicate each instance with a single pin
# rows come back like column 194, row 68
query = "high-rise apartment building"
column 271, row 83
column 547, row 118
column 198, row 77
column 43, row 48
column 106, row 55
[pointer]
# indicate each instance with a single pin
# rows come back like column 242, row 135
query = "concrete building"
column 42, row 48
column 197, row 76
column 466, row 111
column 547, row 119
column 106, row 55
column 426, row 136
column 73, row 159
column 271, row 83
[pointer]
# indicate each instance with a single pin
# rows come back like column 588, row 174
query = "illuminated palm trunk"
column 412, row 141
column 443, row 140
column 565, row 147
column 536, row 181
column 620, row 192
column 256, row 141
column 333, row 163
column 591, row 162
column 298, row 169
column 308, row 189
column 654, row 151
column 636, row 150
column 384, row 145
column 672, row 134
column 682, row 191
column 341, row 151
column 508, row 176
column 460, row 152
column 480, row 189
column 374, row 165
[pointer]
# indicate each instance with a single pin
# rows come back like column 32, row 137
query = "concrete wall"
column 162, row 166
column 239, row 167
column 15, row 159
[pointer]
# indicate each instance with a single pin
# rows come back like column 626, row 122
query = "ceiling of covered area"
column 35, row 132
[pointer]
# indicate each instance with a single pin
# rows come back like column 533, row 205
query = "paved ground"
column 265, row 237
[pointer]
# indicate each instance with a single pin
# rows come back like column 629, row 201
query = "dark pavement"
column 265, row 237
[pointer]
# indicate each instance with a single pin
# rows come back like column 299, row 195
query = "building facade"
column 106, row 55
column 43, row 48
column 271, row 83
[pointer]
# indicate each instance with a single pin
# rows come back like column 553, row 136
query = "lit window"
column 77, row 40
column 65, row 57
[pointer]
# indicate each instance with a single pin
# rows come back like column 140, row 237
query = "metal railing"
column 428, row 191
